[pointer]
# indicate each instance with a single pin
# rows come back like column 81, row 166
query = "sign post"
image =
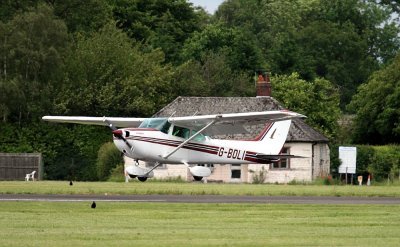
column 348, row 157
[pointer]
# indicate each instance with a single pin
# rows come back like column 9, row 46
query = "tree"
column 164, row 24
column 237, row 45
column 33, row 45
column 341, row 41
column 11, row 95
column 82, row 16
column 377, row 105
column 317, row 99
column 211, row 76
column 9, row 8
column 348, row 40
column 105, row 75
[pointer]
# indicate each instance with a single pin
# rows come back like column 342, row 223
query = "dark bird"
column 70, row 183
column 93, row 205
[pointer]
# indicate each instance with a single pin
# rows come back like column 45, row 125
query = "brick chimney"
column 263, row 85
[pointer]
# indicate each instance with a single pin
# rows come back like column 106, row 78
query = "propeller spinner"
column 118, row 133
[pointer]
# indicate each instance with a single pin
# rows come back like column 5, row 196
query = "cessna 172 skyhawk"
column 185, row 140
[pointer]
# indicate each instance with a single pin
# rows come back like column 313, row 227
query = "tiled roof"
column 187, row 106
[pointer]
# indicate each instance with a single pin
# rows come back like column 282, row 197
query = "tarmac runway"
column 203, row 199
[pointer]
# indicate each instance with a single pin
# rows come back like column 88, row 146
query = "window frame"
column 278, row 165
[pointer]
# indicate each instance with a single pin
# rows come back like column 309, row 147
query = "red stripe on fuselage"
column 141, row 129
column 192, row 146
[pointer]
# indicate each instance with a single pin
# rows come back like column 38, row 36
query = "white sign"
column 348, row 156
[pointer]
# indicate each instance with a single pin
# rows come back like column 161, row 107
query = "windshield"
column 161, row 124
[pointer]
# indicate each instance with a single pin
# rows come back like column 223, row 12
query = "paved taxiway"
column 203, row 199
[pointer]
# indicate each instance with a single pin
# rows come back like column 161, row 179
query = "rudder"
column 273, row 137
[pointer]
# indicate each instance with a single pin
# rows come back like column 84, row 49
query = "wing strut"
column 154, row 167
column 193, row 136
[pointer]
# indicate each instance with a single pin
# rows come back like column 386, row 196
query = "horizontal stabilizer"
column 277, row 157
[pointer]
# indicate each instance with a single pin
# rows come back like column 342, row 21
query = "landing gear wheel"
column 197, row 178
column 142, row 179
column 132, row 176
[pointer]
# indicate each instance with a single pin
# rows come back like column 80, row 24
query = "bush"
column 108, row 158
column 382, row 162
column 259, row 176
column 385, row 163
column 117, row 174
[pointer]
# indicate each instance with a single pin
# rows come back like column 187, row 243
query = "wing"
column 232, row 123
column 105, row 121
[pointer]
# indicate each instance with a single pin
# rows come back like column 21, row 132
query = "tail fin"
column 274, row 135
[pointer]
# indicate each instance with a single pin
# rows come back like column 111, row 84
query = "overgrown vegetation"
column 259, row 176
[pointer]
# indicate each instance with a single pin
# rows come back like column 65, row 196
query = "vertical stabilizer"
column 271, row 140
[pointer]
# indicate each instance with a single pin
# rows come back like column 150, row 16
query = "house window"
column 282, row 163
column 236, row 171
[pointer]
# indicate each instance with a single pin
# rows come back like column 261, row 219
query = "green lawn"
column 62, row 187
column 162, row 224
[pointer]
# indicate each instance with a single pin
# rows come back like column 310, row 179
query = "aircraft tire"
column 142, row 179
column 197, row 178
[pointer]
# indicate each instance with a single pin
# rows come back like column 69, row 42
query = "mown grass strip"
column 115, row 188
column 152, row 224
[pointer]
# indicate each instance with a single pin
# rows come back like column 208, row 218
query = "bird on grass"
column 70, row 183
column 93, row 204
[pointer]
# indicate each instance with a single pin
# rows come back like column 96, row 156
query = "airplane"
column 186, row 140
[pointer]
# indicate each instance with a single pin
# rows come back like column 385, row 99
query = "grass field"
column 189, row 224
column 115, row 188
column 161, row 224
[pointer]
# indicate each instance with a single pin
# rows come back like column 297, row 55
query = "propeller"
column 118, row 133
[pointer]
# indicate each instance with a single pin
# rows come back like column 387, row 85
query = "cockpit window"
column 200, row 137
column 181, row 132
column 161, row 124
column 186, row 133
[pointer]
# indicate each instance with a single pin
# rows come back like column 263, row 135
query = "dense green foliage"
column 131, row 57
column 381, row 162
column 67, row 149
column 107, row 159
column 317, row 99
column 100, row 79
column 342, row 41
column 377, row 107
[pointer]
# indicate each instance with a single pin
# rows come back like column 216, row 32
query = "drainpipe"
column 312, row 160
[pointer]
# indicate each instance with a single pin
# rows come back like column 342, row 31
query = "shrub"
column 259, row 176
column 108, row 158
column 117, row 174
column 381, row 161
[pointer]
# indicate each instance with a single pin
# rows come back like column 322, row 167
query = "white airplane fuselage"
column 151, row 145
